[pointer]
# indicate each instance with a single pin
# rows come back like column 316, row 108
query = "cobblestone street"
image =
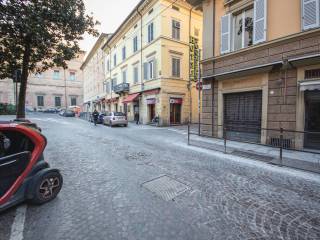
column 105, row 195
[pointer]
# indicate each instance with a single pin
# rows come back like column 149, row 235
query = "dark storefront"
column 242, row 115
column 312, row 119
column 151, row 102
column 175, row 110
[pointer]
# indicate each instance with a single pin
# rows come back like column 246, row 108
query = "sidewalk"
column 291, row 158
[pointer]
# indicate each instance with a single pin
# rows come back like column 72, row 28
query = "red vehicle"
column 24, row 174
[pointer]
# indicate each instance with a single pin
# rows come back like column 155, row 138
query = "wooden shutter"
column 225, row 33
column 155, row 74
column 260, row 21
column 145, row 71
column 310, row 14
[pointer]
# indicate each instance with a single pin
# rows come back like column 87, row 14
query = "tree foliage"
column 39, row 34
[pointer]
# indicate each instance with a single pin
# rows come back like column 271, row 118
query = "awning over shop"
column 305, row 60
column 111, row 100
column 309, row 85
column 131, row 98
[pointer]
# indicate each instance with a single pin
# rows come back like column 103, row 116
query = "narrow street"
column 106, row 192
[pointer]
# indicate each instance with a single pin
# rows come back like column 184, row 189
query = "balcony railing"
column 122, row 87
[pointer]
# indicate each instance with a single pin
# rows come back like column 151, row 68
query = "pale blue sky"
column 110, row 13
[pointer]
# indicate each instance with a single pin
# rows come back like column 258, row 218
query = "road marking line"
column 18, row 223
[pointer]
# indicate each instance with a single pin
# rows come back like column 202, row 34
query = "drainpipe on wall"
column 213, row 49
column 141, row 56
column 141, row 59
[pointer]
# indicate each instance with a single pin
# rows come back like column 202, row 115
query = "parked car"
column 50, row 110
column 115, row 118
column 69, row 113
column 101, row 118
column 62, row 112
column 29, row 109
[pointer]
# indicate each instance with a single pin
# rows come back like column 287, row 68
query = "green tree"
column 38, row 34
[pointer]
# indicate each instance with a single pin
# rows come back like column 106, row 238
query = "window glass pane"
column 72, row 76
column 56, row 74
column 57, row 101
column 237, row 36
column 175, row 29
column 151, row 70
column 248, row 35
column 118, row 114
column 40, row 101
column 73, row 101
column 124, row 76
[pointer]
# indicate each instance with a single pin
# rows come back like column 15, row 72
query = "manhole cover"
column 166, row 187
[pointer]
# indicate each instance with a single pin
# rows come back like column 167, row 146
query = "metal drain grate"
column 166, row 187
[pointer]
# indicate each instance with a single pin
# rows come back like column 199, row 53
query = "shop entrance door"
column 312, row 119
column 152, row 111
column 175, row 113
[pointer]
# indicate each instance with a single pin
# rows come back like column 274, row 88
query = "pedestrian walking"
column 136, row 118
column 95, row 116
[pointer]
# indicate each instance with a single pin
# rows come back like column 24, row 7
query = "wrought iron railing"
column 282, row 139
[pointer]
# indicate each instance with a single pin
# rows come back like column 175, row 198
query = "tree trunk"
column 21, row 113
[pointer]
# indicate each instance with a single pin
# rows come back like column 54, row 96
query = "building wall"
column 275, row 66
column 93, row 70
column 7, row 91
column 46, row 85
column 283, row 19
column 164, row 86
column 49, row 87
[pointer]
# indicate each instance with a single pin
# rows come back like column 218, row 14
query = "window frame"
column 242, row 12
column 42, row 97
column 74, row 72
column 150, row 32
column 151, row 74
column 175, row 29
column 124, row 75
column 124, row 53
column 178, row 73
column 55, row 101
column 56, row 74
column 71, row 100
column 136, row 74
column 114, row 60
column 135, row 44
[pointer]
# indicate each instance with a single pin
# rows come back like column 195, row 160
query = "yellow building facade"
column 147, row 63
column 261, row 60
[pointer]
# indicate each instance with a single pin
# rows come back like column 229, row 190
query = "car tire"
column 126, row 125
column 46, row 187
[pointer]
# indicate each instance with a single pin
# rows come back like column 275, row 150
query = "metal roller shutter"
column 242, row 115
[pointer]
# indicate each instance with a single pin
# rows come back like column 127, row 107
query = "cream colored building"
column 262, row 64
column 93, row 70
column 57, row 87
column 54, row 88
column 147, row 63
column 7, row 91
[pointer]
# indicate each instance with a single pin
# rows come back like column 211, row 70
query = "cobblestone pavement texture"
column 103, row 195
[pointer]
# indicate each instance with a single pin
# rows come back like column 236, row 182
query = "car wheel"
column 126, row 125
column 47, row 186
